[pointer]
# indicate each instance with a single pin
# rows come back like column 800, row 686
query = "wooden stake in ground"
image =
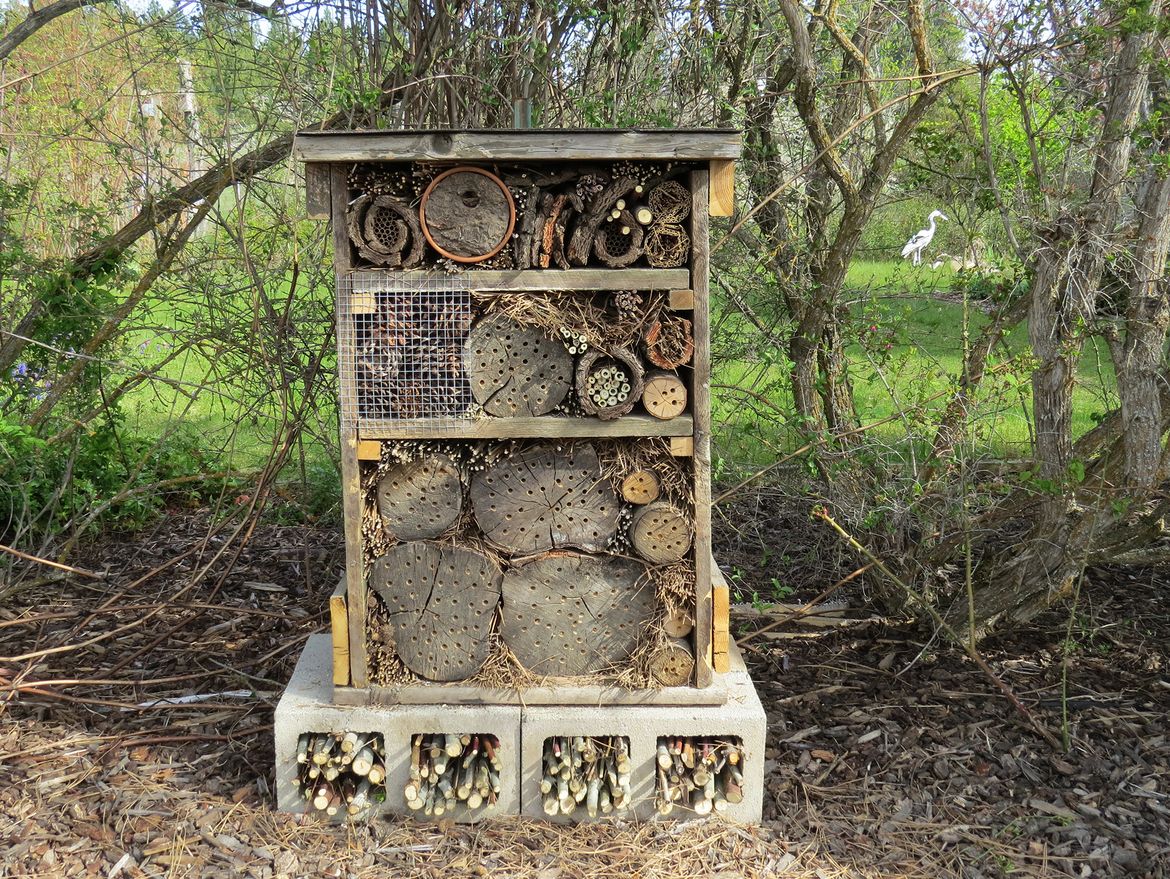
column 540, row 499
column 664, row 395
column 440, row 601
column 569, row 614
column 421, row 498
column 516, row 370
column 641, row 487
column 661, row 533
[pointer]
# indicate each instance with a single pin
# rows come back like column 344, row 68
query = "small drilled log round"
column 666, row 245
column 665, row 395
column 669, row 342
column 615, row 248
column 540, row 499
column 382, row 228
column 678, row 624
column 641, row 487
column 660, row 533
column 670, row 202
column 516, row 369
column 673, row 664
column 420, row 498
column 593, row 361
column 440, row 602
column 569, row 614
column 467, row 214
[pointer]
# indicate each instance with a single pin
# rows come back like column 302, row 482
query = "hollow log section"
column 641, row 487
column 673, row 664
column 440, row 601
column 619, row 243
column 516, row 370
column 540, row 499
column 421, row 498
column 665, row 395
column 567, row 614
column 382, row 228
column 670, row 342
column 660, row 533
column 595, row 359
column 467, row 214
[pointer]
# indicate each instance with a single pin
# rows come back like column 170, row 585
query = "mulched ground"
column 887, row 754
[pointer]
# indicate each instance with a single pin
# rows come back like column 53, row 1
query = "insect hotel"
column 531, row 621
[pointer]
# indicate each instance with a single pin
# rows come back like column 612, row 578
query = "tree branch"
column 36, row 20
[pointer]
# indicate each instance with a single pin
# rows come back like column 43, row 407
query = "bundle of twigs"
column 448, row 769
column 700, row 774
column 594, row 770
column 338, row 771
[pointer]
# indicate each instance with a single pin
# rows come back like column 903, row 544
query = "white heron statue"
column 917, row 244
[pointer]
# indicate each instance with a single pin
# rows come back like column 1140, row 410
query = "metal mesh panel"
column 400, row 344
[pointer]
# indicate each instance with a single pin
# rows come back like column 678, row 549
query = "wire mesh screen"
column 401, row 340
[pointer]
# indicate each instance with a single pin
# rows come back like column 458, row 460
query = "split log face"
column 665, row 395
column 660, row 533
column 641, row 487
column 440, row 601
column 467, row 214
column 421, row 498
column 673, row 665
column 540, row 499
column 516, row 370
column 568, row 614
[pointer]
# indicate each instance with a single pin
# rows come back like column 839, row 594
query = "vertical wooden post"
column 355, row 575
column 722, row 184
column 339, row 627
column 700, row 259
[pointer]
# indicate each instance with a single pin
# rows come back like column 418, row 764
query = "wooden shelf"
column 492, row 281
column 541, row 427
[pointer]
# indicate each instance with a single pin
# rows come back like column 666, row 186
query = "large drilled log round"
column 467, row 214
column 440, row 600
column 569, row 614
column 516, row 370
column 540, row 499
column 660, row 533
column 421, row 498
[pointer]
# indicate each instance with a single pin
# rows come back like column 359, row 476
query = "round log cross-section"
column 540, row 499
column 467, row 214
column 641, row 487
column 673, row 664
column 421, row 498
column 660, row 533
column 665, row 395
column 569, row 614
column 441, row 601
column 516, row 370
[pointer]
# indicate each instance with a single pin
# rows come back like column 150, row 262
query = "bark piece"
column 664, row 395
column 420, row 498
column 467, row 214
column 641, row 487
column 673, row 665
column 599, row 391
column 661, row 533
column 570, row 614
column 515, row 369
column 385, row 231
column 540, row 499
column 440, row 602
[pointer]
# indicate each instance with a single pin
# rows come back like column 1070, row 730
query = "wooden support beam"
column 682, row 300
column 369, row 450
column 317, row 190
column 339, row 625
column 722, row 193
column 682, row 446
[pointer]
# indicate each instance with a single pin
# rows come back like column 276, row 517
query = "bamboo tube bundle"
column 449, row 770
column 609, row 384
column 590, row 772
column 341, row 772
column 701, row 774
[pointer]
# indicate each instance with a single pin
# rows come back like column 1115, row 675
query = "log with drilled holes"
column 641, row 487
column 661, row 533
column 516, row 370
column 440, row 601
column 664, row 395
column 570, row 614
column 673, row 664
column 420, row 498
column 542, row 498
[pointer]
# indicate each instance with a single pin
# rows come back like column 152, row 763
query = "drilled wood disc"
column 420, row 498
column 664, row 395
column 540, row 499
column 516, row 370
column 673, row 664
column 440, row 600
column 569, row 614
column 641, row 487
column 661, row 533
column 467, row 214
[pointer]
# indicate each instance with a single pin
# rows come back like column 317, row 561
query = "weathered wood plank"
column 681, row 446
column 317, row 191
column 553, row 426
column 722, row 200
column 701, row 407
column 339, row 629
column 494, row 281
column 532, row 145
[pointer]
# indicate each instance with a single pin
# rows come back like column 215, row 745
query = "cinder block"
column 742, row 716
column 307, row 706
